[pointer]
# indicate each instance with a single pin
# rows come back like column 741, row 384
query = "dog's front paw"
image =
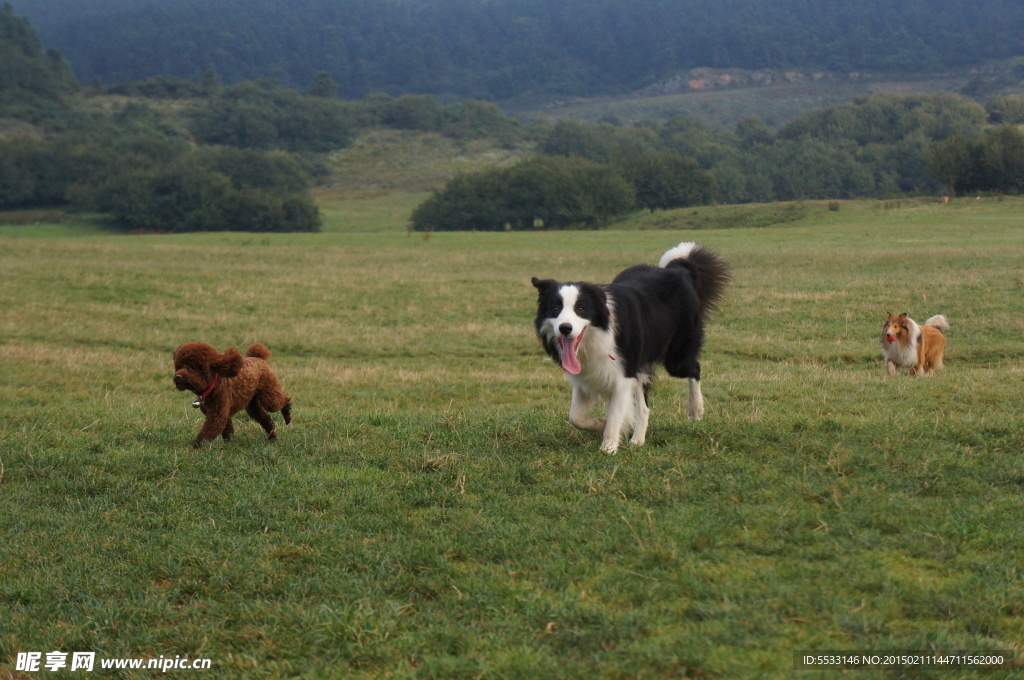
column 610, row 447
column 588, row 424
column 695, row 412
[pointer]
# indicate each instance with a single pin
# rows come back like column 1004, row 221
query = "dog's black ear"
column 229, row 364
column 904, row 315
column 544, row 285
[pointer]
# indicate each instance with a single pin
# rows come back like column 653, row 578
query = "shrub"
column 264, row 116
column 539, row 193
column 216, row 189
column 664, row 180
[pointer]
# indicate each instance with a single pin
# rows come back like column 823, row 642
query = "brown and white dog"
column 227, row 383
column 908, row 344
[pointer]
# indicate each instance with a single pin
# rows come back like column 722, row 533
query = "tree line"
column 212, row 157
column 588, row 174
column 30, row 76
column 154, row 171
column 201, row 155
column 185, row 172
column 504, row 49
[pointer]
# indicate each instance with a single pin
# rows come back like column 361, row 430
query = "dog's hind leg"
column 684, row 364
column 695, row 401
column 272, row 398
column 260, row 415
column 274, row 401
column 690, row 369
column 643, row 414
column 579, row 411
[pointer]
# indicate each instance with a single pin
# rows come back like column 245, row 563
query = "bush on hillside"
column 664, row 180
column 990, row 162
column 540, row 193
column 74, row 165
column 216, row 189
column 265, row 115
column 1006, row 109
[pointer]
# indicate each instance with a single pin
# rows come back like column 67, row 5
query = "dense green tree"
column 1001, row 160
column 950, row 161
column 474, row 119
column 811, row 169
column 539, row 193
column 72, row 166
column 752, row 132
column 31, row 78
column 466, row 203
column 216, row 190
column 209, row 84
column 1006, row 109
column 887, row 119
column 575, row 138
column 323, row 86
column 665, row 180
column 266, row 115
column 992, row 162
column 414, row 112
column 601, row 195
column 601, row 142
column 871, row 147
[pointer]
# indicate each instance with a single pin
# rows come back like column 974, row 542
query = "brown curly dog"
column 226, row 384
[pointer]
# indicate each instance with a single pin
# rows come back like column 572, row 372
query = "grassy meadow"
column 430, row 513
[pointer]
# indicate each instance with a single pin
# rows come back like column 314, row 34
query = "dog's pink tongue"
column 569, row 360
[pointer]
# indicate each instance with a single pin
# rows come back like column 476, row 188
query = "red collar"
column 211, row 388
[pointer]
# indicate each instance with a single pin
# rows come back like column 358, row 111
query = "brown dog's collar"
column 209, row 390
column 198, row 403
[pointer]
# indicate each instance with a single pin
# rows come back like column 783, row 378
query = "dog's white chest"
column 602, row 368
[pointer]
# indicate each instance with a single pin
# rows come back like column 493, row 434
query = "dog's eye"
column 556, row 309
column 579, row 308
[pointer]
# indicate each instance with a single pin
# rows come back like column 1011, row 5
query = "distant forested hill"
column 498, row 49
column 29, row 75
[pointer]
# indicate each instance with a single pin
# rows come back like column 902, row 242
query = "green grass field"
column 431, row 514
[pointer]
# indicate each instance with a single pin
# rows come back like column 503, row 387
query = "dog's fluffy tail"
column 708, row 271
column 258, row 351
column 937, row 322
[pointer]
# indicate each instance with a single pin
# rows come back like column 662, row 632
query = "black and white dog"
column 609, row 338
